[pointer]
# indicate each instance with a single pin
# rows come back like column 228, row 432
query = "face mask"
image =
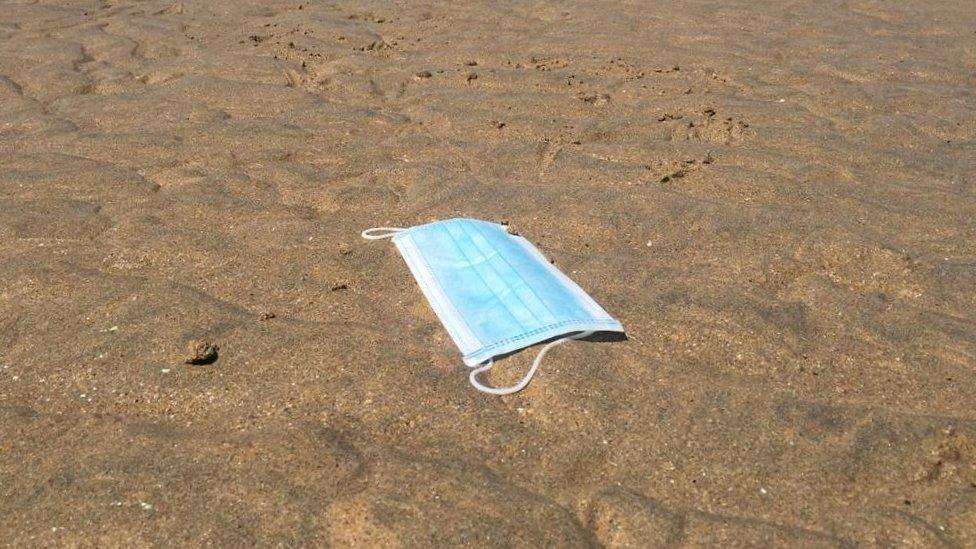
column 494, row 292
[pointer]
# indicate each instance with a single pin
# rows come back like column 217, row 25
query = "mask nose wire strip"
column 473, row 377
column 390, row 233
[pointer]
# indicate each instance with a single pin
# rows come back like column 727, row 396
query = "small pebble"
column 201, row 352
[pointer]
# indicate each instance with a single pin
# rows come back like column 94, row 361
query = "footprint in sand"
column 545, row 155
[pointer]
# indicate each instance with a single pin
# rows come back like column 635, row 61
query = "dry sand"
column 777, row 199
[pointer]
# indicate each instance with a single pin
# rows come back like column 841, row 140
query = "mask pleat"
column 478, row 279
column 500, row 245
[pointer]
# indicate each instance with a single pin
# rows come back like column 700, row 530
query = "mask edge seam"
column 427, row 281
column 603, row 323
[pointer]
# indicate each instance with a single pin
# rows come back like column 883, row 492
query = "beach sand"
column 777, row 200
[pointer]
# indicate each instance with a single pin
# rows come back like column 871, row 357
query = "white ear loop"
column 390, row 233
column 473, row 377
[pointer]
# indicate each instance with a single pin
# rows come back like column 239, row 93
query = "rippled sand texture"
column 777, row 199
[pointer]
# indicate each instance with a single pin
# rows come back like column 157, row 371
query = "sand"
column 777, row 199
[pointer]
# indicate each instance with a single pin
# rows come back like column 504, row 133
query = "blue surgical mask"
column 494, row 292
